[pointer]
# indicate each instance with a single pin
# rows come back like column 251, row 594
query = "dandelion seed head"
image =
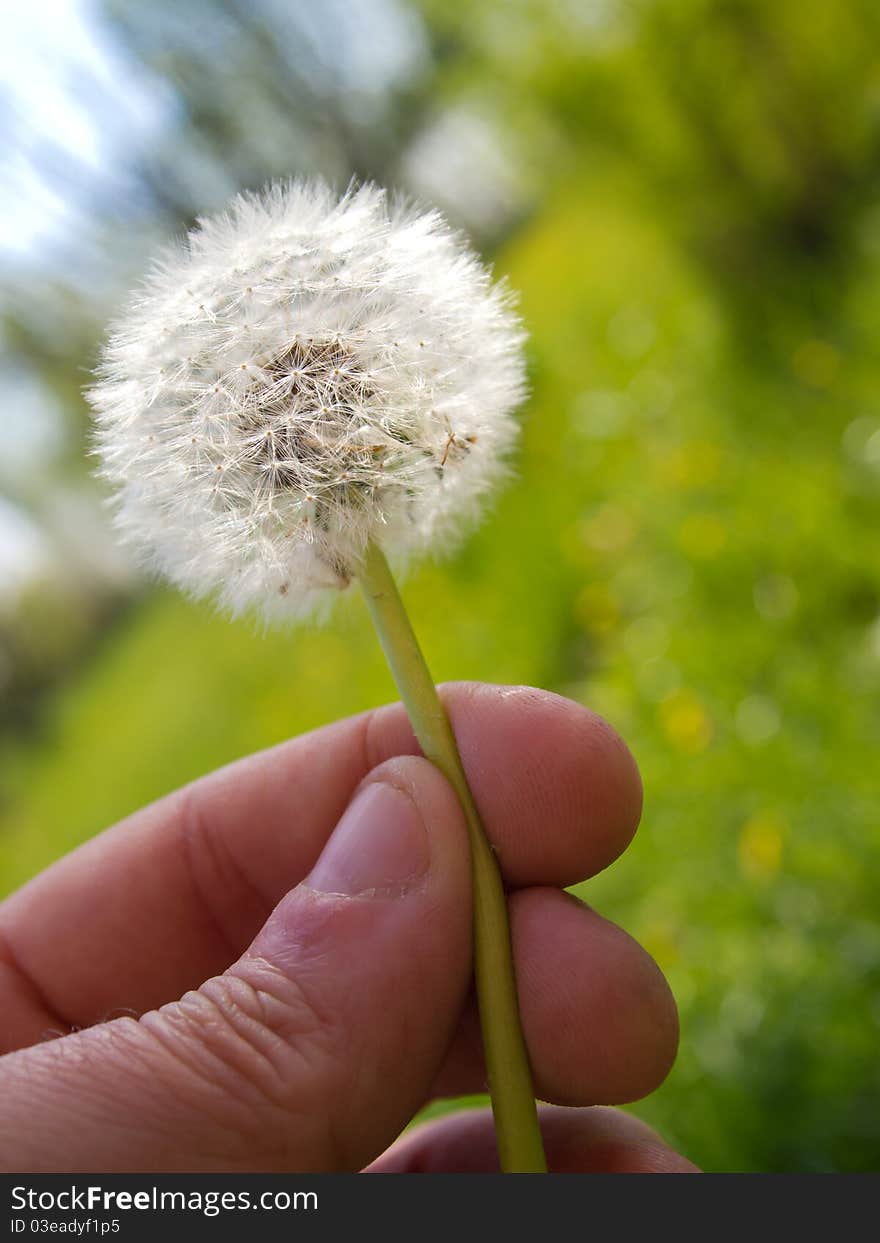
column 303, row 374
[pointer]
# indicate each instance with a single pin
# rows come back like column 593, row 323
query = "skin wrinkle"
column 166, row 1055
column 46, row 1071
column 242, row 1008
column 311, row 974
column 250, row 1117
column 215, row 1130
column 71, row 1092
column 371, row 755
column 300, row 998
column 35, row 995
column 205, row 852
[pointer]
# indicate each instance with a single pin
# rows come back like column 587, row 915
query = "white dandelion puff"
column 303, row 375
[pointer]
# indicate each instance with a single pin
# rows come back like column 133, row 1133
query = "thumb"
column 312, row 1051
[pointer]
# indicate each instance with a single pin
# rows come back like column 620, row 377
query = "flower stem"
column 518, row 1135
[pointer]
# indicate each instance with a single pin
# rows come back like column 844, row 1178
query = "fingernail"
column 379, row 847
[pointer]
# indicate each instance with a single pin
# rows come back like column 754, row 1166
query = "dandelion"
column 304, row 387
column 303, row 376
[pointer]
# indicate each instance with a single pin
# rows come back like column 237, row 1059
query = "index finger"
column 176, row 892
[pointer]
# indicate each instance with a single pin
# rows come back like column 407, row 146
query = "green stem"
column 520, row 1149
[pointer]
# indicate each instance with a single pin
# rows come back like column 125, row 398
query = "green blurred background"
column 685, row 193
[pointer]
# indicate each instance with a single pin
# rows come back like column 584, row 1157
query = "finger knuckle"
column 254, row 1049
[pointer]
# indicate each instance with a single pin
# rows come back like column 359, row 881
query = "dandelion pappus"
column 455, row 443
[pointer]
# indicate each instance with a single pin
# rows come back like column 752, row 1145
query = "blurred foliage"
column 752, row 126
column 688, row 548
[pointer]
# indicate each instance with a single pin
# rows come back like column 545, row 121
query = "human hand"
column 332, row 873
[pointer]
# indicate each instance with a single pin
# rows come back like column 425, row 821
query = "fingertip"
column 597, row 1010
column 557, row 779
column 596, row 1140
column 608, row 1141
